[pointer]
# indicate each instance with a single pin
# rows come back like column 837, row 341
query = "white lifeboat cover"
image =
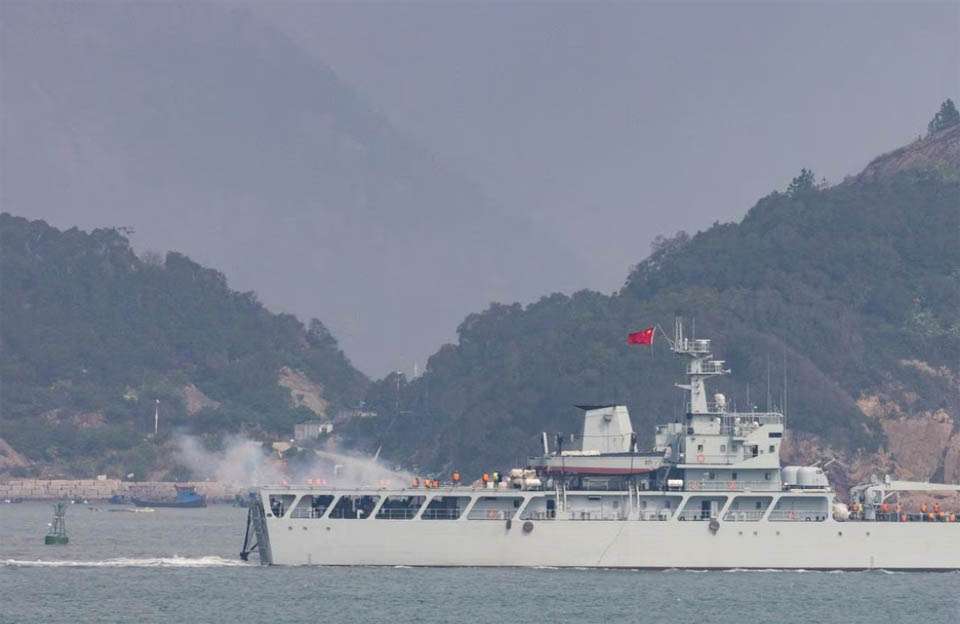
column 607, row 429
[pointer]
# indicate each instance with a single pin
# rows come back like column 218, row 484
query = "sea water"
column 181, row 565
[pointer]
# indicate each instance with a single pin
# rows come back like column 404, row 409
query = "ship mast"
column 700, row 366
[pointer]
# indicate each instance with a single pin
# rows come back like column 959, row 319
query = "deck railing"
column 733, row 486
column 441, row 514
column 743, row 516
column 798, row 515
column 397, row 514
column 308, row 512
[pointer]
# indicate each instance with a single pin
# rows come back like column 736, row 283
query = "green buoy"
column 58, row 530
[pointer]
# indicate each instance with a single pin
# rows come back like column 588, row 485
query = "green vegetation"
column 845, row 291
column 946, row 117
column 842, row 284
column 92, row 335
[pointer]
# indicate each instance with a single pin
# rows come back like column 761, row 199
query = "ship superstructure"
column 710, row 494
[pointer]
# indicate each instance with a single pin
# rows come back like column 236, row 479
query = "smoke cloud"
column 243, row 462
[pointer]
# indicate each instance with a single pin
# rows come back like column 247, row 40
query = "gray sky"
column 610, row 123
column 560, row 138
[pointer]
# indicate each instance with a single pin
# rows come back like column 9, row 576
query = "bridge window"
column 280, row 504
column 354, row 507
column 310, row 506
column 445, row 507
column 400, row 507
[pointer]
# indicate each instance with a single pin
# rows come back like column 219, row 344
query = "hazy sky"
column 598, row 126
column 613, row 122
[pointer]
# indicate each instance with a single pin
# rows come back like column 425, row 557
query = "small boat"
column 187, row 498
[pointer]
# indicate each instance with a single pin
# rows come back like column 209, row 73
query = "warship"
column 711, row 494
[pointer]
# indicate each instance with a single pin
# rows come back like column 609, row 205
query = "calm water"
column 181, row 565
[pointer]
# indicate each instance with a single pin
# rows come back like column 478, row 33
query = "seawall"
column 95, row 489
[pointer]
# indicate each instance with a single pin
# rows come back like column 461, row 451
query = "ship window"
column 354, row 507
column 743, row 512
column 702, row 507
column 495, row 508
column 711, row 475
column 699, row 447
column 800, row 509
column 536, row 509
column 766, row 476
column 312, row 506
column 280, row 504
column 772, row 448
column 445, row 507
column 400, row 507
column 733, row 476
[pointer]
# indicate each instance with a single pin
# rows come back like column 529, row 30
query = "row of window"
column 358, row 507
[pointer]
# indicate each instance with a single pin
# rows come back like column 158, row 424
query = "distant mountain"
column 847, row 295
column 92, row 336
column 209, row 132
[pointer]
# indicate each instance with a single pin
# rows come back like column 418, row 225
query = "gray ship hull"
column 827, row 545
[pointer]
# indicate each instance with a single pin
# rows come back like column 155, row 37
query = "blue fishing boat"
column 187, row 497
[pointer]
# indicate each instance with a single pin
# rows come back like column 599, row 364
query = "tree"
column 946, row 117
column 803, row 183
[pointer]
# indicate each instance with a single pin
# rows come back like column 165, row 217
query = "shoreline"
column 102, row 490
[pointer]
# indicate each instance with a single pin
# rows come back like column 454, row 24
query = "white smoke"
column 243, row 463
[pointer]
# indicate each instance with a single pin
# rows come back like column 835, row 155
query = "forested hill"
column 852, row 290
column 92, row 335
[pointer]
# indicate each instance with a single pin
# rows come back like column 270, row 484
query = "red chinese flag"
column 644, row 337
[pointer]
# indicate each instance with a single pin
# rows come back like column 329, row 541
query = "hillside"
column 92, row 335
column 210, row 132
column 854, row 289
